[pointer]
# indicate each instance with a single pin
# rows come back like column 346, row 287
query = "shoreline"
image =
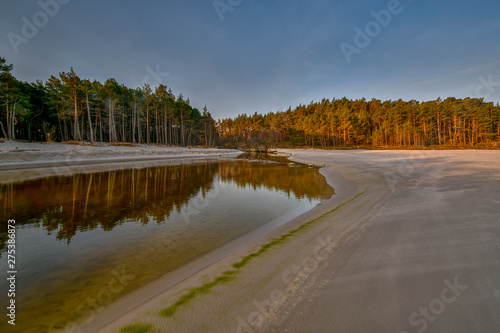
column 346, row 187
column 26, row 167
column 21, row 161
column 15, row 155
column 316, row 278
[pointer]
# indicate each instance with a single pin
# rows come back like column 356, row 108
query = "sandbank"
column 20, row 161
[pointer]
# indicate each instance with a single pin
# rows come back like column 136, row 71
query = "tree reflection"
column 66, row 205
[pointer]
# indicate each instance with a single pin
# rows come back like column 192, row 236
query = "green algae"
column 138, row 328
column 230, row 275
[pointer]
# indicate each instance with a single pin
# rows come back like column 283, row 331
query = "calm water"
column 85, row 240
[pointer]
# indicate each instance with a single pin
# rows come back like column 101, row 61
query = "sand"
column 414, row 246
column 410, row 242
column 21, row 161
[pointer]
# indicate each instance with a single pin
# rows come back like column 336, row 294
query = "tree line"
column 67, row 107
column 347, row 123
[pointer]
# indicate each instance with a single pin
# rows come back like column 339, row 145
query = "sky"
column 246, row 56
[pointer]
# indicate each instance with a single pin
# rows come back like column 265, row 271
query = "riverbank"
column 21, row 161
column 401, row 223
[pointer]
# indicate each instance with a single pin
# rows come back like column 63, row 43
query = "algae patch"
column 231, row 274
column 264, row 248
column 138, row 328
column 203, row 289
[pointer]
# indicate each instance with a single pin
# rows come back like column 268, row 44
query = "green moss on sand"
column 229, row 275
column 138, row 328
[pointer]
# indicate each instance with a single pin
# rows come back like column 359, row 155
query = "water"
column 84, row 240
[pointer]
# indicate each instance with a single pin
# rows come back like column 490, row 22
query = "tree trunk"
column 147, row 123
column 439, row 128
column 3, row 130
column 124, row 139
column 206, row 138
column 65, row 129
column 165, row 130
column 111, row 121
column 182, row 130
column 139, row 133
column 76, row 129
column 90, row 120
column 133, row 120
column 156, row 125
column 9, row 122
column 171, row 133
column 82, row 126
column 100, row 127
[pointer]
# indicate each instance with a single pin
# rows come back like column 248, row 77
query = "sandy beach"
column 410, row 242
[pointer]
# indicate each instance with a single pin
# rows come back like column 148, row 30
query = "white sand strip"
column 21, row 161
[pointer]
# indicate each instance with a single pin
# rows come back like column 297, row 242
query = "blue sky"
column 263, row 55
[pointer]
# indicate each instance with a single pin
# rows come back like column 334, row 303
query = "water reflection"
column 83, row 202
column 73, row 232
column 65, row 205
